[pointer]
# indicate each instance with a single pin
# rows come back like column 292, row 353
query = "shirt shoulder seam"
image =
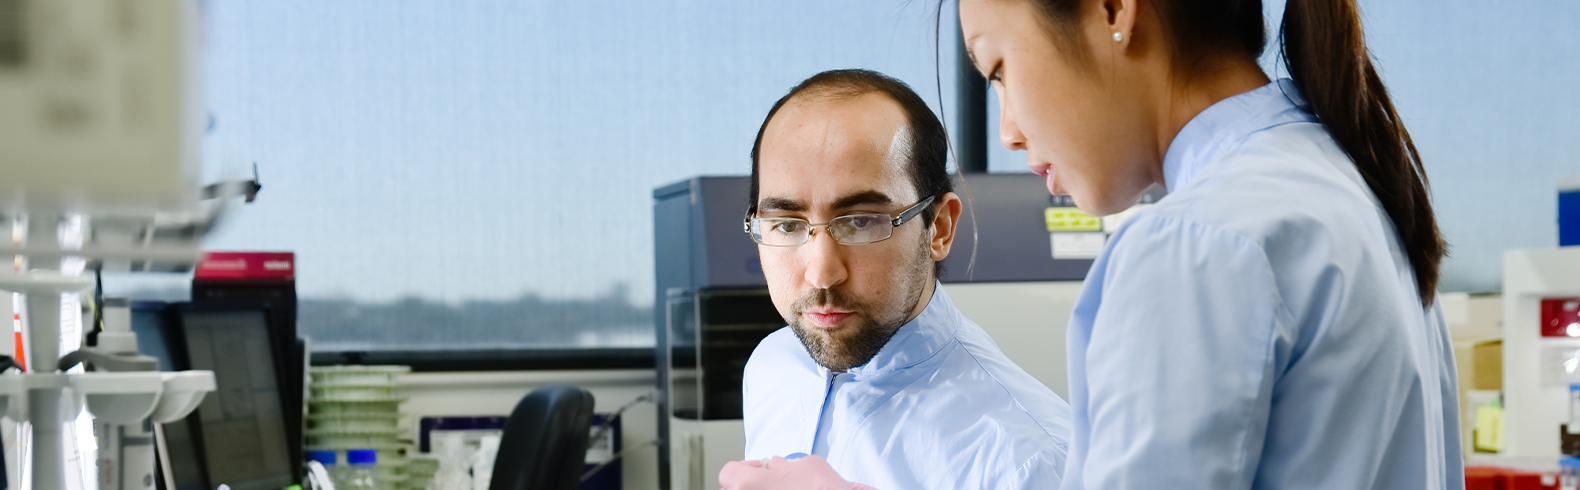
column 1187, row 222
column 1061, row 443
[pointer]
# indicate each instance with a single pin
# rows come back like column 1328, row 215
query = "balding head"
column 848, row 147
column 926, row 147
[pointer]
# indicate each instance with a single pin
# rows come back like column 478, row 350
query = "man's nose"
column 825, row 261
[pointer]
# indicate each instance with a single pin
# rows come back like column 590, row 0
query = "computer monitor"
column 239, row 430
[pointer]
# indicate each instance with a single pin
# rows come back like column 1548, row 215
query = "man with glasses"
column 877, row 372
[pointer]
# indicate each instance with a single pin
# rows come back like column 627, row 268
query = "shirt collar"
column 1226, row 124
column 918, row 339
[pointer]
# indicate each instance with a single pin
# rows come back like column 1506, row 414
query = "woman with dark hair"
column 1272, row 322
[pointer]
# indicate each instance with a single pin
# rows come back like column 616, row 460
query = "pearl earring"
column 1118, row 37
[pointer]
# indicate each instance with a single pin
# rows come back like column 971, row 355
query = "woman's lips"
column 827, row 319
column 1046, row 170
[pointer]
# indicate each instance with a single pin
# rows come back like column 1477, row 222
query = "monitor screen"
column 241, row 424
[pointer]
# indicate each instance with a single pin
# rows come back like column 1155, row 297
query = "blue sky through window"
column 493, row 150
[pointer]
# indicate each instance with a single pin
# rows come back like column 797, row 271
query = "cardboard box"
column 1486, row 366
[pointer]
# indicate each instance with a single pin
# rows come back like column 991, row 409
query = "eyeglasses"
column 852, row 229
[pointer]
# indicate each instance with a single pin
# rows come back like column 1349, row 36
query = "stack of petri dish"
column 419, row 470
column 358, row 407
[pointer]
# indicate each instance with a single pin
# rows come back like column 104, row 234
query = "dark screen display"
column 242, row 425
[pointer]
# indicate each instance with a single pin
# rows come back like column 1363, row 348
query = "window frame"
column 457, row 360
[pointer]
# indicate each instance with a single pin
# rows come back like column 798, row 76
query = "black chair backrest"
column 545, row 442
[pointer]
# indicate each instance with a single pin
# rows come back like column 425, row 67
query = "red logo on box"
column 247, row 265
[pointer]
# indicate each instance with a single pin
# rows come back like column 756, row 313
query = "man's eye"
column 864, row 222
column 787, row 226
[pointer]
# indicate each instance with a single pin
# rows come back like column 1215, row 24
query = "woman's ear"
column 1109, row 24
column 1119, row 19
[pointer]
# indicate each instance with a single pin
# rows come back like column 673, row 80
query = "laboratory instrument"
column 127, row 458
column 99, row 146
column 239, row 434
column 1541, row 359
column 265, row 280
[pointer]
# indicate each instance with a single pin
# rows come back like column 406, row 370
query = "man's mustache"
column 828, row 298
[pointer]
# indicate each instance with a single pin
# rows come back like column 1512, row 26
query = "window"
column 479, row 175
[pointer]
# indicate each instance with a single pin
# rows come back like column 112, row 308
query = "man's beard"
column 864, row 334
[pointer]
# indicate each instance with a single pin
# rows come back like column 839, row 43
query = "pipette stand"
column 48, row 398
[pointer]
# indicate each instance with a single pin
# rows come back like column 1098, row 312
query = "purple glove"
column 809, row 473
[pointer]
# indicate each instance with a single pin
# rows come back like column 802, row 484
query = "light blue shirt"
column 1259, row 326
column 939, row 407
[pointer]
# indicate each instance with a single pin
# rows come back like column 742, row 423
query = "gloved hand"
column 808, row 473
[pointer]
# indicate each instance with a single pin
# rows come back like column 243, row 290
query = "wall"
column 1027, row 320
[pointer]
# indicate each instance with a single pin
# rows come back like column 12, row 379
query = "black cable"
column 92, row 338
column 594, row 471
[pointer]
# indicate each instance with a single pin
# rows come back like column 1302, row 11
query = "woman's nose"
column 1008, row 131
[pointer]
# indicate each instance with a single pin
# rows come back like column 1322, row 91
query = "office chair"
column 545, row 441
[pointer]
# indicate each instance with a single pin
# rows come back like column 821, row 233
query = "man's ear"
column 944, row 223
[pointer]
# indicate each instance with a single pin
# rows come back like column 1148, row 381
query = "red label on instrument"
column 247, row 265
column 1561, row 317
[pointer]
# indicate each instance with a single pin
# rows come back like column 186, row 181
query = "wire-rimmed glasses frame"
column 850, row 229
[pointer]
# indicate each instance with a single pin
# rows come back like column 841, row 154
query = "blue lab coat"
column 1260, row 327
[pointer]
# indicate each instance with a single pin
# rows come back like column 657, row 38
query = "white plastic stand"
column 48, row 398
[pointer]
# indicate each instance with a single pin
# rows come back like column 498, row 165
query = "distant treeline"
column 529, row 321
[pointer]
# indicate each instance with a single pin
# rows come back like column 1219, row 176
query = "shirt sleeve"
column 1179, row 363
column 1041, row 472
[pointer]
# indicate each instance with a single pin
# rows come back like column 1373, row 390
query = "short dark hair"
column 929, row 143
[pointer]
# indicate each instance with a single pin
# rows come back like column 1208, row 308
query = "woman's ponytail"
column 1328, row 61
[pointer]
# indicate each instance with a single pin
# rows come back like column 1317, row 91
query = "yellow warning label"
column 1071, row 219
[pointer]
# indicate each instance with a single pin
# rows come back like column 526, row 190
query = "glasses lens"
column 780, row 232
column 859, row 229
